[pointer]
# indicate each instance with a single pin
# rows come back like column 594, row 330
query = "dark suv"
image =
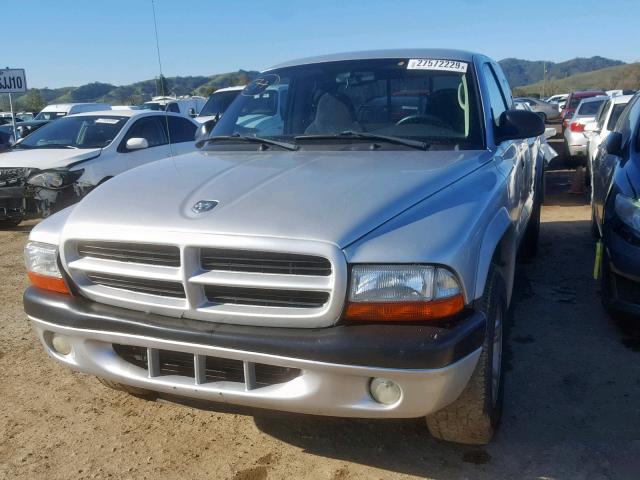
column 573, row 100
column 616, row 211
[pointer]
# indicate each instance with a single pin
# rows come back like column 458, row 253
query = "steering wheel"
column 423, row 119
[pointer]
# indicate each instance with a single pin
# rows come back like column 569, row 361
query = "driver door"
column 516, row 152
column 151, row 129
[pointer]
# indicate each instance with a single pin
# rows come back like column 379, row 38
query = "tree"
column 32, row 101
column 162, row 85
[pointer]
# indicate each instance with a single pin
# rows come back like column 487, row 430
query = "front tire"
column 474, row 417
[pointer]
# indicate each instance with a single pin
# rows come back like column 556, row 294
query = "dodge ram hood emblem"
column 204, row 206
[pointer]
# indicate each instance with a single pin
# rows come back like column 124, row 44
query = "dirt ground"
column 572, row 402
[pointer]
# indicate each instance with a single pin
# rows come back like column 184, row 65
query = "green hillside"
column 35, row 99
column 620, row 77
column 525, row 72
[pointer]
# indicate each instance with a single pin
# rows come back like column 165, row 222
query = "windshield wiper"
column 369, row 136
column 252, row 139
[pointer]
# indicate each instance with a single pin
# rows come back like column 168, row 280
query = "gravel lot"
column 572, row 403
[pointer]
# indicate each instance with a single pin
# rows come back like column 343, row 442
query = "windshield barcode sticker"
column 110, row 121
column 441, row 65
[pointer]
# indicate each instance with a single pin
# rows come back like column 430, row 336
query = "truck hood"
column 334, row 197
column 45, row 158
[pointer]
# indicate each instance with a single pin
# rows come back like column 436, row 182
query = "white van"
column 188, row 106
column 218, row 102
column 51, row 112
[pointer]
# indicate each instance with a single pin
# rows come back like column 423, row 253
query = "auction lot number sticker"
column 433, row 64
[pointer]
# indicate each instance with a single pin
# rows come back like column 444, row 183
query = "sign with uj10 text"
column 13, row 80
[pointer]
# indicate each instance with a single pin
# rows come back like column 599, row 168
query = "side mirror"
column 613, row 144
column 518, row 124
column 192, row 112
column 204, row 130
column 137, row 143
column 591, row 127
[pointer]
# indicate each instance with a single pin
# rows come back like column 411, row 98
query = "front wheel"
column 474, row 417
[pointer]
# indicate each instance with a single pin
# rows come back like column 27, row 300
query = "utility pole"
column 13, row 120
column 544, row 80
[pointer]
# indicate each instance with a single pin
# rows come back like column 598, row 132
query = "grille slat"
column 216, row 369
column 139, row 285
column 265, row 297
column 264, row 262
column 147, row 254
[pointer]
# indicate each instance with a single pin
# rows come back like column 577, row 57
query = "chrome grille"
column 275, row 282
column 264, row 262
column 139, row 285
column 147, row 254
column 203, row 368
column 265, row 297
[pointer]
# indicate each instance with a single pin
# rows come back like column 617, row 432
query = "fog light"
column 385, row 391
column 61, row 344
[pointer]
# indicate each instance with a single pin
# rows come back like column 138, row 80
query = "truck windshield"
column 76, row 132
column 217, row 103
column 433, row 101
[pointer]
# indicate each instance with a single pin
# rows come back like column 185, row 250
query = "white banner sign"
column 13, row 80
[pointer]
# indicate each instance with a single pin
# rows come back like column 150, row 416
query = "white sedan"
column 62, row 161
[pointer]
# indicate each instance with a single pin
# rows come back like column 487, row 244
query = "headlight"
column 41, row 260
column 54, row 179
column 402, row 293
column 628, row 210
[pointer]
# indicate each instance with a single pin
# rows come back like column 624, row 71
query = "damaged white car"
column 61, row 162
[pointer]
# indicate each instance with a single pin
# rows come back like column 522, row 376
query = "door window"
column 602, row 114
column 497, row 101
column 148, row 128
column 180, row 129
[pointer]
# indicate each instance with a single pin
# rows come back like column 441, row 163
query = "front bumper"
column 623, row 249
column 13, row 204
column 432, row 365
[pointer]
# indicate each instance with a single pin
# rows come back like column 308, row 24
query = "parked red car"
column 573, row 100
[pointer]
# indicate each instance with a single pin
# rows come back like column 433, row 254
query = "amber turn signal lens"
column 404, row 311
column 48, row 283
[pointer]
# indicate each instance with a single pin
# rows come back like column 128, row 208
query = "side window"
column 629, row 120
column 504, row 85
column 173, row 107
column 148, row 128
column 497, row 101
column 602, row 114
column 181, row 130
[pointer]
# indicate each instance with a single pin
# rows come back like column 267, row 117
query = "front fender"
column 497, row 229
column 449, row 228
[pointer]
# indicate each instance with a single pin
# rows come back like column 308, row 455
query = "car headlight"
column 402, row 293
column 54, row 179
column 41, row 260
column 628, row 211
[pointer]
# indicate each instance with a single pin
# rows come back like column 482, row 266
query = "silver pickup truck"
column 343, row 243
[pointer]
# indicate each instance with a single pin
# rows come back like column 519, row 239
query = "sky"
column 73, row 42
